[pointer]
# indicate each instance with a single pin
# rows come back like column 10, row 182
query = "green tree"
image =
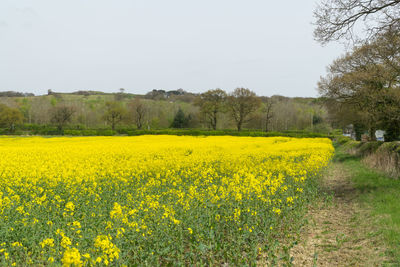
column 242, row 103
column 367, row 81
column 180, row 120
column 211, row 103
column 10, row 117
column 115, row 113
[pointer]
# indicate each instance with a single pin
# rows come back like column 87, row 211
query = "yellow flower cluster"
column 72, row 257
column 149, row 199
column 47, row 242
column 107, row 248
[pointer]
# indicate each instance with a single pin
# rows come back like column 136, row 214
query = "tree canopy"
column 9, row 117
column 343, row 19
column 114, row 113
column 211, row 103
column 367, row 81
column 180, row 120
column 242, row 102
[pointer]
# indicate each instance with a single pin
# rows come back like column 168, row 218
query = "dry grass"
column 388, row 162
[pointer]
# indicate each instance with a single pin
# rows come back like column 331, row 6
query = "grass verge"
column 382, row 194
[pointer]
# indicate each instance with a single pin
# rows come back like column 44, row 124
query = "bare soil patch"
column 339, row 232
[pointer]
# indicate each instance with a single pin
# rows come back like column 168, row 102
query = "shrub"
column 367, row 148
column 106, row 132
column 343, row 139
column 73, row 132
column 386, row 158
column 89, row 132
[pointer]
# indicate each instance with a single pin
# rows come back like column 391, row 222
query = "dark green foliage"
column 78, row 130
column 106, row 132
column 89, row 132
column 392, row 133
column 180, row 120
column 298, row 134
column 359, row 129
column 317, row 119
column 73, row 132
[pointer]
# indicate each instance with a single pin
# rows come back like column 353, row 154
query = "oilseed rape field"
column 152, row 200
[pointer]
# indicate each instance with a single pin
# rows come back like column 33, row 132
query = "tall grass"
column 380, row 192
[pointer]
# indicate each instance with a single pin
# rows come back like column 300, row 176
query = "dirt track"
column 339, row 231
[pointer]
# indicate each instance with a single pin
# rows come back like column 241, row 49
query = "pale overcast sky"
column 141, row 45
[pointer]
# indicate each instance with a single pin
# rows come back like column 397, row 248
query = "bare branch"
column 339, row 19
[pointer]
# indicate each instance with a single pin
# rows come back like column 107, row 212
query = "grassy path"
column 355, row 224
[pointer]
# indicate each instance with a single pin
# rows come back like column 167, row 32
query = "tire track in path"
column 339, row 232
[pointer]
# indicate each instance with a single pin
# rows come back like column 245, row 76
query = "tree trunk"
column 372, row 135
column 239, row 126
column 214, row 125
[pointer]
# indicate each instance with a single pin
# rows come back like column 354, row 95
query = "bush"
column 31, row 126
column 73, row 132
column 106, row 132
column 337, row 132
column 367, row 148
column 386, row 158
column 352, row 144
column 89, row 132
column 80, row 131
column 47, row 131
column 392, row 134
column 343, row 139
column 196, row 132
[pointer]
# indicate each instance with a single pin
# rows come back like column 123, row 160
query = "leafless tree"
column 339, row 19
column 268, row 113
column 138, row 110
column 61, row 115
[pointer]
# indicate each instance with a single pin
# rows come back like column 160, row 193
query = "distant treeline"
column 98, row 113
column 14, row 94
